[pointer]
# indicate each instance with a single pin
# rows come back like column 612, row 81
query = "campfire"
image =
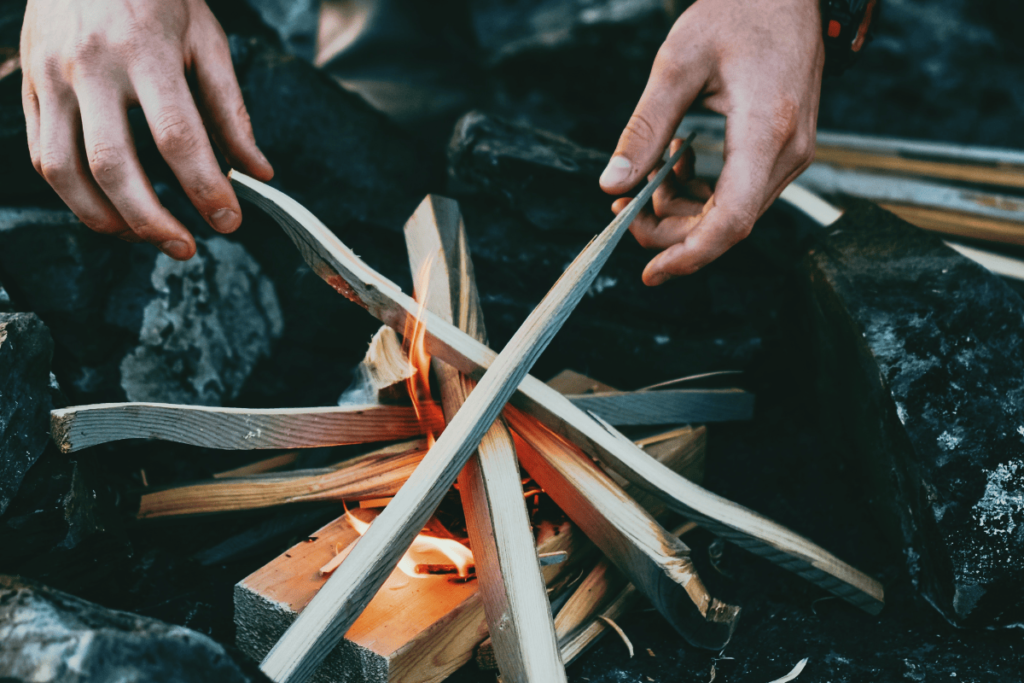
column 411, row 600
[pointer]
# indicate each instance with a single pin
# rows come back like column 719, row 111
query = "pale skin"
column 87, row 62
column 758, row 62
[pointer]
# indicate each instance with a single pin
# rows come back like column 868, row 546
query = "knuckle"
column 174, row 135
column 639, row 129
column 55, row 167
column 107, row 163
column 804, row 147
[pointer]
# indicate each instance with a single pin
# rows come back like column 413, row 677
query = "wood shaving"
column 622, row 634
column 794, row 673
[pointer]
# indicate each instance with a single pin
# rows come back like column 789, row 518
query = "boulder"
column 46, row 635
column 920, row 371
column 25, row 398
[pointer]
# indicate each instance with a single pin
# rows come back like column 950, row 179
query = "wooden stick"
column 260, row 466
column 655, row 561
column 351, row 277
column 959, row 224
column 374, row 475
column 387, row 368
column 321, row 626
column 514, row 596
column 1000, row 264
column 238, row 429
column 668, row 406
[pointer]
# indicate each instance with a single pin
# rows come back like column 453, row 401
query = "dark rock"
column 576, row 67
column 548, row 179
column 130, row 323
column 46, row 635
column 920, row 360
column 25, row 400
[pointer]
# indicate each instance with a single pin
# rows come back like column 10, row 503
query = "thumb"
column 670, row 91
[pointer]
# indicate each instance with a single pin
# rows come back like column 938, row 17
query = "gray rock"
column 920, row 356
column 46, row 635
column 211, row 319
column 25, row 398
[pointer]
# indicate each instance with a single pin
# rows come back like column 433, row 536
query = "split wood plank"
column 374, row 475
column 260, row 466
column 350, row 276
column 324, row 622
column 656, row 562
column 514, row 596
column 570, row 382
column 386, row 368
column 238, row 429
column 668, row 406
column 960, row 224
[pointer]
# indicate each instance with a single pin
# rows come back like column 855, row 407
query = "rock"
column 25, row 400
column 46, row 635
column 549, row 180
column 207, row 323
column 920, row 359
column 5, row 300
column 575, row 67
column 132, row 324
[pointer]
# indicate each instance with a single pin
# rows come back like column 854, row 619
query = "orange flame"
column 424, row 550
column 414, row 337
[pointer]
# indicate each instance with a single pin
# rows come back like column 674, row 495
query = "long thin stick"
column 512, row 587
column 350, row 276
column 324, row 622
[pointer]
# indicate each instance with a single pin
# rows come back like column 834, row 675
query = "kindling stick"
column 322, row 625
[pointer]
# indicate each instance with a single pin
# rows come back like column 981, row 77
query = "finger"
column 60, row 154
column 30, row 103
column 670, row 200
column 220, row 101
column 182, row 140
column 115, row 166
column 665, row 232
column 753, row 143
column 671, row 89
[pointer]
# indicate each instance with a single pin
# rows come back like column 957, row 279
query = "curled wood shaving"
column 794, row 673
column 622, row 634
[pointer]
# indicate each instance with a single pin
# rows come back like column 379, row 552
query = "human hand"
column 85, row 63
column 759, row 62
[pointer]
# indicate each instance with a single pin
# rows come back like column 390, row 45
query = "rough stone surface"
column 46, row 635
column 549, row 180
column 211, row 319
column 25, row 399
column 921, row 367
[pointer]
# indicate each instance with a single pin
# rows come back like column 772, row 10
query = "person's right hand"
column 85, row 63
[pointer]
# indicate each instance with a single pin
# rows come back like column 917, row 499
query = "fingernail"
column 176, row 250
column 617, row 171
column 225, row 220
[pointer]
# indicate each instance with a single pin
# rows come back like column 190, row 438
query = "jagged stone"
column 920, row 357
column 25, row 399
column 548, row 179
column 208, row 322
column 46, row 635
column 132, row 324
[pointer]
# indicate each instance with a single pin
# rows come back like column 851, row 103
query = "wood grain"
column 657, row 563
column 960, row 224
column 351, row 277
column 374, row 475
column 237, row 429
column 500, row 534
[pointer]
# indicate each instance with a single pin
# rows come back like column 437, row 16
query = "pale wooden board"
column 237, row 429
column 668, row 406
column 514, row 596
column 351, row 277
